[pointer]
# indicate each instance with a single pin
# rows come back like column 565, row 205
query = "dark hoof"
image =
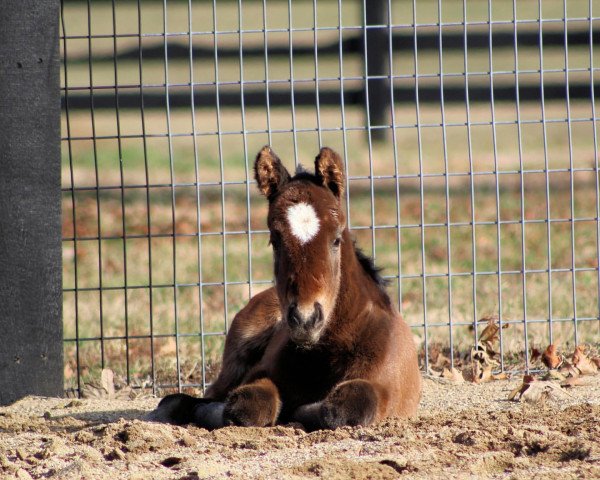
column 309, row 416
column 209, row 415
column 181, row 409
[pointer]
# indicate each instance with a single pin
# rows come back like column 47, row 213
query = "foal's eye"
column 336, row 242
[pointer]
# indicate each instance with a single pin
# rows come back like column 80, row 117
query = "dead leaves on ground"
column 582, row 362
column 562, row 374
column 483, row 355
column 478, row 367
column 491, row 334
column 453, row 374
column 551, row 359
column 575, row 382
column 482, row 365
column 535, row 391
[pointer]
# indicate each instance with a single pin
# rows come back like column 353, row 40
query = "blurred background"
column 469, row 134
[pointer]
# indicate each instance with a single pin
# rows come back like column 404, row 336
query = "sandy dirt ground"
column 462, row 431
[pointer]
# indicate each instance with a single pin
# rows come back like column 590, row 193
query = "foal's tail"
column 181, row 409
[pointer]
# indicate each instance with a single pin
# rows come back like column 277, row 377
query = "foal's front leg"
column 255, row 404
column 248, row 337
column 350, row 403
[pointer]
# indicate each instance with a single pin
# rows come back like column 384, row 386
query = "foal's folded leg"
column 350, row 403
column 248, row 337
column 255, row 404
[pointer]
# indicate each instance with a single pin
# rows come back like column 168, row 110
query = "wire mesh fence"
column 468, row 130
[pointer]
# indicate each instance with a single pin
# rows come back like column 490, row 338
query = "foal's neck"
column 358, row 289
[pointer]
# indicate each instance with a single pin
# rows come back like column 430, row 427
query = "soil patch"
column 461, row 430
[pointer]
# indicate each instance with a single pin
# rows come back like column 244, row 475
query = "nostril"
column 317, row 316
column 293, row 314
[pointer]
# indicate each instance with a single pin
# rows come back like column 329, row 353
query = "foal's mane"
column 366, row 262
column 370, row 268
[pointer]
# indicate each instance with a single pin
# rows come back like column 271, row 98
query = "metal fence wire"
column 468, row 130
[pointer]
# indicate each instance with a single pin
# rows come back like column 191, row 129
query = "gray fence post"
column 376, row 58
column 31, row 358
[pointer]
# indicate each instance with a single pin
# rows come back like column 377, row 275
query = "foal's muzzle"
column 305, row 327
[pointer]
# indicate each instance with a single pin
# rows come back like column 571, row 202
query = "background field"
column 164, row 232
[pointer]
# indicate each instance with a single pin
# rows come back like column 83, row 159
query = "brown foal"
column 325, row 346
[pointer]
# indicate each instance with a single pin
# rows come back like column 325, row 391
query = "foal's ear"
column 329, row 169
column 269, row 172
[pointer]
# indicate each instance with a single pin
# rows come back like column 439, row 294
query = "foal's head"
column 306, row 222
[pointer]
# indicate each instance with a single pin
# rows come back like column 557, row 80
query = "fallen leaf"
column 578, row 354
column 453, row 375
column 550, row 358
column 442, row 361
column 437, row 359
column 481, row 355
column 538, row 392
column 482, row 373
column 575, row 382
column 568, row 370
column 534, row 391
column 527, row 380
column 596, row 361
column 582, row 362
column 481, row 365
column 490, row 334
column 500, row 376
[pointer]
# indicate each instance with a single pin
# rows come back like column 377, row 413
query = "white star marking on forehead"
column 303, row 221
